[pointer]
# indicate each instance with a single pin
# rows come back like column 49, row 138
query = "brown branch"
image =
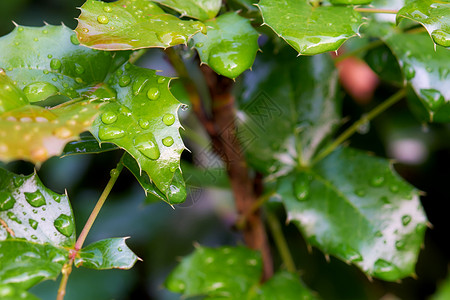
column 228, row 147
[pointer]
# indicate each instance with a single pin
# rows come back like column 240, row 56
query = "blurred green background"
column 161, row 235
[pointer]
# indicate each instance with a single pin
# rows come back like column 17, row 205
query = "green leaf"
column 310, row 30
column 36, row 228
column 433, row 15
column 350, row 2
column 284, row 285
column 230, row 45
column 35, row 133
column 385, row 64
column 290, row 107
column 10, row 292
column 123, row 26
column 106, row 254
column 426, row 70
column 353, row 206
column 57, row 64
column 87, row 144
column 221, row 272
column 10, row 96
column 198, row 9
column 144, row 122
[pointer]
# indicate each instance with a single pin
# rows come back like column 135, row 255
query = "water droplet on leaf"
column 144, row 124
column 301, row 186
column 107, row 9
column 79, row 69
column 35, row 199
column 441, row 37
column 153, row 93
column 103, row 19
column 64, row 225
column 400, row 245
column 124, row 80
column 410, row 72
column 167, row 141
column 109, row 117
column 110, row 133
column 433, row 98
column 33, row 223
column 6, row 201
column 394, row 188
column 406, row 219
column 55, row 64
column 386, row 270
column 74, row 40
column 13, row 217
column 38, row 91
column 146, row 144
column 377, row 181
column 168, row 119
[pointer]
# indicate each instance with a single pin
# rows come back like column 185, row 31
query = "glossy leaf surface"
column 9, row 292
column 290, row 106
column 123, row 25
column 433, row 15
column 198, row 9
column 310, row 30
column 107, row 254
column 230, row 45
column 354, row 206
column 426, row 70
column 87, row 144
column 144, row 122
column 36, row 227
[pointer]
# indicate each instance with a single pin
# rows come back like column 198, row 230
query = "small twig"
column 66, row 270
column 354, row 127
column 280, row 241
column 376, row 10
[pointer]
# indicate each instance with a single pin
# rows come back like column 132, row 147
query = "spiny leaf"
column 426, row 70
column 433, row 15
column 36, row 228
column 230, row 46
column 58, row 65
column 144, row 122
column 198, row 9
column 106, row 254
column 123, row 25
column 10, row 292
column 310, row 30
column 290, row 107
column 354, row 206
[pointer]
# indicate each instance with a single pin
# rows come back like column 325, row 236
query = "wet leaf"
column 198, row 9
column 10, row 292
column 124, row 26
column 427, row 71
column 36, row 228
column 10, row 96
column 144, row 122
column 107, row 254
column 353, row 206
column 290, row 107
column 87, row 144
column 230, row 45
column 433, row 15
column 310, row 30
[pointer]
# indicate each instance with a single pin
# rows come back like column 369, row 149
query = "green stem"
column 376, row 10
column 280, row 241
column 364, row 119
column 87, row 227
column 66, row 270
column 366, row 47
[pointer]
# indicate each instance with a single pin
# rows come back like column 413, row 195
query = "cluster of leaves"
column 49, row 96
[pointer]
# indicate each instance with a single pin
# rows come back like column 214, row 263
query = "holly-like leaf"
column 231, row 273
column 310, row 30
column 230, row 46
column 353, row 206
column 433, row 15
column 426, row 70
column 227, row 272
column 57, row 64
column 290, row 106
column 87, row 144
column 106, row 254
column 144, row 122
column 198, row 9
column 10, row 292
column 284, row 285
column 123, row 25
column 36, row 228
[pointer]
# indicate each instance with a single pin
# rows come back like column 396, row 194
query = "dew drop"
column 74, row 40
column 146, row 144
column 434, row 98
column 38, row 91
column 360, row 192
column 110, row 132
column 199, row 26
column 35, row 199
column 144, row 123
column 443, row 72
column 385, row 270
column 406, row 219
column 13, row 217
column 119, row 249
column 79, row 69
column 184, row 107
column 49, row 56
column 153, row 93
column 57, row 199
column 171, row 38
column 441, row 37
column 400, row 245
column 64, row 225
column 301, row 186
column 124, row 80
column 377, row 181
column 55, row 64
column 409, row 71
column 107, row 9
column 109, row 117
column 161, row 79
column 33, row 237
column 199, row 45
column 167, row 141
column 18, row 181
column 394, row 188
column 168, row 119
column 33, row 223
column 378, row 234
column 102, row 19
column 6, row 201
